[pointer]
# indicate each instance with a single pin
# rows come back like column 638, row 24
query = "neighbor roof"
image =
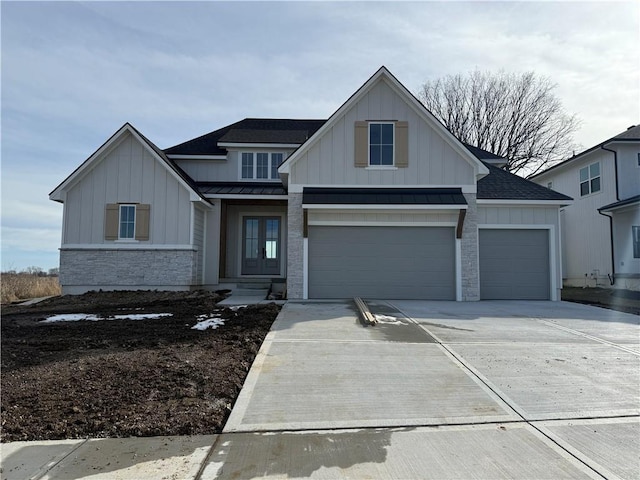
column 249, row 130
column 631, row 134
column 502, row 185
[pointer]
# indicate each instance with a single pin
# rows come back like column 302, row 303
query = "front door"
column 261, row 246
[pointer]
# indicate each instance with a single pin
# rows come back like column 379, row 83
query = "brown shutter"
column 142, row 221
column 111, row 222
column 361, row 141
column 402, row 144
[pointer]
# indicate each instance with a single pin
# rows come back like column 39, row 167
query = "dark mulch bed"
column 119, row 378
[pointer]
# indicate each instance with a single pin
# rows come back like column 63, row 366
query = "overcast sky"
column 73, row 73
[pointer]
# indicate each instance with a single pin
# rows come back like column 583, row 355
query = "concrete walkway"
column 436, row 390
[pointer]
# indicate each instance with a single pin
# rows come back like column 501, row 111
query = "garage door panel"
column 514, row 264
column 382, row 262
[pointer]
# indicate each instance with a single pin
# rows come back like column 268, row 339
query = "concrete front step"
column 249, row 292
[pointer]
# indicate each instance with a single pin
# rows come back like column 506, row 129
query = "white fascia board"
column 528, row 203
column 197, row 157
column 248, row 197
column 298, row 188
column 326, row 206
column 418, row 108
column 87, row 165
column 258, row 145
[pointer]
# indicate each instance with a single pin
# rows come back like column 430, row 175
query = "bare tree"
column 516, row 116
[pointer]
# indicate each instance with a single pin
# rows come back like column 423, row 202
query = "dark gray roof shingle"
column 249, row 130
column 241, row 188
column 502, row 185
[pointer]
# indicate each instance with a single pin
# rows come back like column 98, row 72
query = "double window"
column 590, row 179
column 260, row 166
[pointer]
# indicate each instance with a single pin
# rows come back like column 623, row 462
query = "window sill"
column 381, row 167
column 127, row 240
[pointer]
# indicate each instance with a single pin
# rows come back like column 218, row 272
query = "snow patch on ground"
column 388, row 319
column 237, row 307
column 76, row 317
column 208, row 321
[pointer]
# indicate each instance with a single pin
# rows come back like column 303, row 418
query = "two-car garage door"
column 382, row 262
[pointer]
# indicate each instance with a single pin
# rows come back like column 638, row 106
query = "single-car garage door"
column 514, row 264
column 382, row 262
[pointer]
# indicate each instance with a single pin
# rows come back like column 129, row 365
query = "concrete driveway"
column 439, row 390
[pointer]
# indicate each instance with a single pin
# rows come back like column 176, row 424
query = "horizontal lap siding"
column 381, row 262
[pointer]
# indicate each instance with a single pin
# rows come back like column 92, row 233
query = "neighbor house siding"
column 586, row 241
column 431, row 160
column 628, row 170
column 127, row 174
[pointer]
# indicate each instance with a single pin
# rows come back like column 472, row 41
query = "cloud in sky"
column 73, row 73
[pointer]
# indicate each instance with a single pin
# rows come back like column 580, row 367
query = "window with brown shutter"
column 127, row 221
column 381, row 144
column 361, row 156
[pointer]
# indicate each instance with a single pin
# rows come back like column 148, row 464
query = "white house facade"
column 600, row 230
column 378, row 201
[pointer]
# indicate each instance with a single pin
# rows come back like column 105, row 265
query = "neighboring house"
column 601, row 229
column 380, row 200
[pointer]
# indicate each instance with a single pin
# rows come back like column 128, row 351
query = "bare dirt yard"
column 109, row 376
column 627, row 301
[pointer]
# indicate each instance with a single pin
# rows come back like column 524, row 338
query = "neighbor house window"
column 590, row 179
column 127, row 222
column 635, row 232
column 381, row 144
column 260, row 166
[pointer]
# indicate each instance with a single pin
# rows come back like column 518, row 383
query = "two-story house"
column 600, row 231
column 380, row 200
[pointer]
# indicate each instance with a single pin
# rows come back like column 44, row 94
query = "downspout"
column 612, row 277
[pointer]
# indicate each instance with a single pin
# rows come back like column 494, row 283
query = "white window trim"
column 393, row 159
column 580, row 182
column 135, row 214
column 254, row 156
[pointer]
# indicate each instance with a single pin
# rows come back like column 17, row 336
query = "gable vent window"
column 260, row 166
column 127, row 221
column 590, row 179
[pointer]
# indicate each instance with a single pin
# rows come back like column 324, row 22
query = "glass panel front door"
column 261, row 246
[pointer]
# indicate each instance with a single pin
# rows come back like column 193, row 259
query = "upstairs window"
column 381, row 144
column 260, row 166
column 127, row 222
column 590, row 179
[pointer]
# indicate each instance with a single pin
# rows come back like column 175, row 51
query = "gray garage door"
column 382, row 262
column 514, row 264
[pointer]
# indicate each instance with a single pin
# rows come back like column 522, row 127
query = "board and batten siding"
column 127, row 174
column 431, row 160
column 628, row 169
column 198, row 243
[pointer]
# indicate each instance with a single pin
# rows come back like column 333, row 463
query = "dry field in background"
column 22, row 286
